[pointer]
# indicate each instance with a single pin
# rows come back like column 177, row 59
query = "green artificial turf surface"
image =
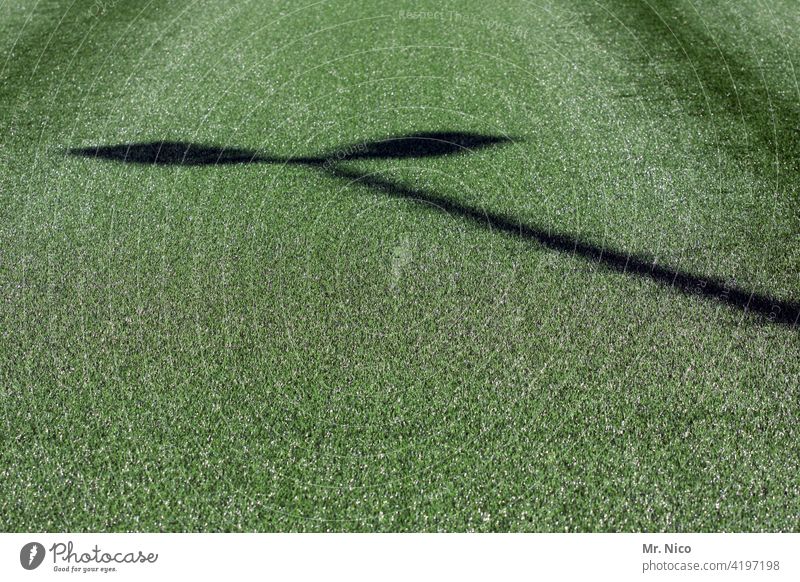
column 370, row 344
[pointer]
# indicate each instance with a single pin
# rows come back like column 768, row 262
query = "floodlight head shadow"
column 179, row 153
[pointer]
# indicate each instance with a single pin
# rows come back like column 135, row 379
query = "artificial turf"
column 583, row 321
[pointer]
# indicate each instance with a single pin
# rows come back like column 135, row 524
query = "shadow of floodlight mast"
column 432, row 144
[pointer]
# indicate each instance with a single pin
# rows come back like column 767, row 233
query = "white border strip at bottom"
column 378, row 557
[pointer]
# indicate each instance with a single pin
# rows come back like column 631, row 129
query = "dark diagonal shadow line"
column 432, row 144
column 775, row 310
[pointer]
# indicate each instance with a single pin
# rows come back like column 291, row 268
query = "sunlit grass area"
column 399, row 266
